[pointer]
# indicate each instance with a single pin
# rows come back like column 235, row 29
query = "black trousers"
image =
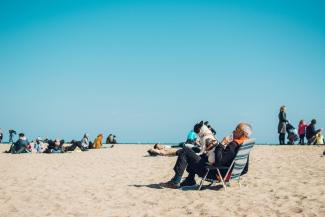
column 74, row 145
column 282, row 137
column 194, row 164
column 302, row 139
column 186, row 156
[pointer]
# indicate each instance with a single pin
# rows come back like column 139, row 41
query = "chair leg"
column 203, row 179
column 223, row 183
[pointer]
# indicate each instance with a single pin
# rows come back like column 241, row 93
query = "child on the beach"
column 302, row 131
column 319, row 138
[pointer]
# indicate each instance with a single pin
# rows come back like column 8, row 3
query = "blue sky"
column 148, row 70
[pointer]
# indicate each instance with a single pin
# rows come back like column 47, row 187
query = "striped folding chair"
column 236, row 168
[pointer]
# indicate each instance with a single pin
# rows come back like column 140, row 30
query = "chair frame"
column 229, row 169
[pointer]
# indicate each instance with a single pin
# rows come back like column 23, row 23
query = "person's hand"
column 226, row 141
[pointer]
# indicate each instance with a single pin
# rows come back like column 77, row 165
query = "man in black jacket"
column 311, row 132
column 225, row 153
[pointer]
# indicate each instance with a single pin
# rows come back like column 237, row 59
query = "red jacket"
column 302, row 129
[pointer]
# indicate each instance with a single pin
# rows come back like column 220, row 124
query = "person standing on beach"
column 302, row 131
column 282, row 125
column 1, row 135
column 11, row 134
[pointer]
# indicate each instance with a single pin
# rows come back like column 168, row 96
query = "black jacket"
column 224, row 157
column 283, row 117
column 311, row 131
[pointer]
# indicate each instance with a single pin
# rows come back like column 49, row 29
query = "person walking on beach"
column 282, row 125
column 302, row 131
column 1, row 135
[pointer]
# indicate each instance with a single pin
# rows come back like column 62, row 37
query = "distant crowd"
column 309, row 131
column 22, row 145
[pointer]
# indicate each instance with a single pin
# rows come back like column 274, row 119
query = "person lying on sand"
column 74, row 145
column 196, row 139
column 55, row 147
column 162, row 150
column 83, row 145
column 224, row 154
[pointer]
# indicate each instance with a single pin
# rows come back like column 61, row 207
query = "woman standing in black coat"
column 282, row 125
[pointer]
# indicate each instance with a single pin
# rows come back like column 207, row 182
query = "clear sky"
column 148, row 70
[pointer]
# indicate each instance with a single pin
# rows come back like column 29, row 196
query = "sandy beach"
column 123, row 181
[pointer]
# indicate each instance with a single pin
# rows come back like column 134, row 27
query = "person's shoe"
column 170, row 184
column 188, row 182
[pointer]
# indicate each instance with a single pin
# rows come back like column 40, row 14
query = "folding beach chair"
column 236, row 168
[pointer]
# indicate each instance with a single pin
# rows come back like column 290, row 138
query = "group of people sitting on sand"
column 22, row 145
column 202, row 148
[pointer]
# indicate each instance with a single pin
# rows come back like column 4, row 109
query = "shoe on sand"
column 170, row 184
column 188, row 182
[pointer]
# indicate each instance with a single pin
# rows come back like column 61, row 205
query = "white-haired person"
column 39, row 146
column 224, row 154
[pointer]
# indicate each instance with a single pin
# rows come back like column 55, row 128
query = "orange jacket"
column 98, row 141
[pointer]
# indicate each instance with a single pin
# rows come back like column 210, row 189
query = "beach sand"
column 123, row 181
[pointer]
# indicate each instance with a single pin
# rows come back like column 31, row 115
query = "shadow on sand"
column 189, row 188
column 154, row 186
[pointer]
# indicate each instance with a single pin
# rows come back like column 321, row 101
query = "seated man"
column 311, row 133
column 224, row 153
column 20, row 146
